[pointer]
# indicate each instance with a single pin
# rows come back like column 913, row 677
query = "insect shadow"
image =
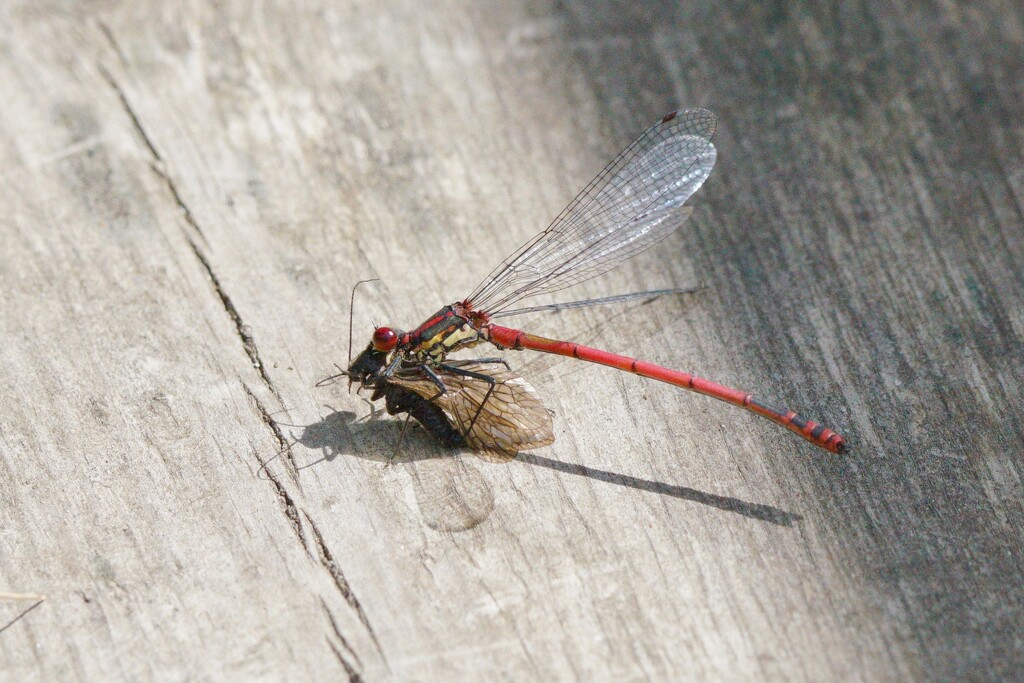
column 340, row 432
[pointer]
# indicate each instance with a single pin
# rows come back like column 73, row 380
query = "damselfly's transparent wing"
column 509, row 420
column 635, row 202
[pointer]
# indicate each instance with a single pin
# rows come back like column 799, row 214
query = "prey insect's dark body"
column 366, row 369
column 398, row 400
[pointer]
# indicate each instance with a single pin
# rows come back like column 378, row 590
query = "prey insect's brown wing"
column 509, row 420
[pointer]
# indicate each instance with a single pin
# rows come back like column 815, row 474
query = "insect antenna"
column 330, row 380
column 351, row 310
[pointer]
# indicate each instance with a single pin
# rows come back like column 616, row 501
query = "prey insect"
column 475, row 403
column 635, row 202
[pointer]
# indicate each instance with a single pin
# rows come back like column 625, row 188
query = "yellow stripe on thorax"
column 447, row 340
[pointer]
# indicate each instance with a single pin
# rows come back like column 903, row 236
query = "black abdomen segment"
column 399, row 400
column 817, row 434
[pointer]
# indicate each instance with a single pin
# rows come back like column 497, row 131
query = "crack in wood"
column 109, row 35
column 182, row 206
column 353, row 675
column 290, row 508
column 337, row 632
column 288, row 457
column 244, row 331
column 249, row 346
column 130, row 111
column 342, row 584
column 157, row 161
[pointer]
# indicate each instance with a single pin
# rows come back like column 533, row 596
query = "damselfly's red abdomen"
column 817, row 434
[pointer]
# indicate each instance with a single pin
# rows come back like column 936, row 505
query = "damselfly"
column 635, row 202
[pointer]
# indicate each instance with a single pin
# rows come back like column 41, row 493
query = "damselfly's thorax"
column 453, row 327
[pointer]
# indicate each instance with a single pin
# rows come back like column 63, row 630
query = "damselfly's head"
column 384, row 339
column 374, row 357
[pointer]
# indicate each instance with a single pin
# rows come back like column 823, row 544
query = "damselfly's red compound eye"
column 384, row 338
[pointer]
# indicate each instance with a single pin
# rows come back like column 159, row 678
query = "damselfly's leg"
column 401, row 440
column 432, row 376
column 392, row 366
column 475, row 375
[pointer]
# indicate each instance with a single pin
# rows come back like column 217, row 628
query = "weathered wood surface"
column 191, row 189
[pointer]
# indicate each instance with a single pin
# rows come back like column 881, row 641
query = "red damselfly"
column 636, row 201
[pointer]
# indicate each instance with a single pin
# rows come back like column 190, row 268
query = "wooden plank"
column 190, row 192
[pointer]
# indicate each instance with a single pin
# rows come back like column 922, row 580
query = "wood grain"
column 191, row 189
